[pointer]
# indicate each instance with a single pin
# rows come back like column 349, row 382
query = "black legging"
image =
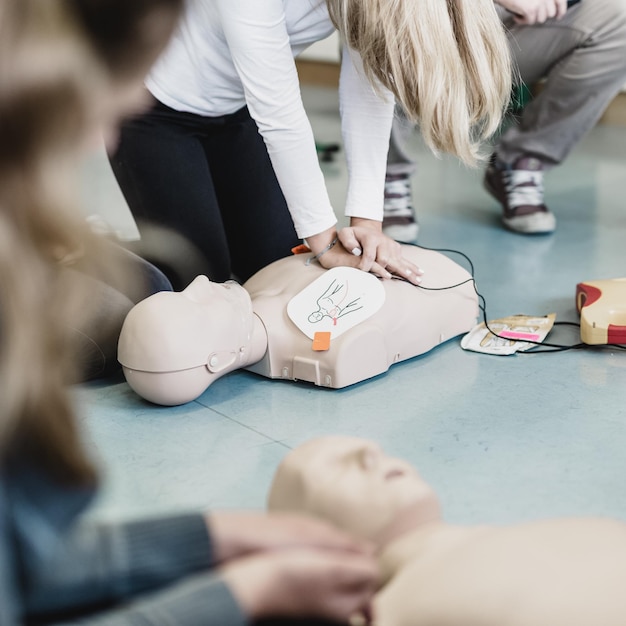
column 211, row 181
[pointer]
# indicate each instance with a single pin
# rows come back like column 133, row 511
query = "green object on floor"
column 327, row 151
column 520, row 97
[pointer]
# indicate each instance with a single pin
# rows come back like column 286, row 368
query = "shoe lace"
column 398, row 197
column 398, row 207
column 399, row 187
column 524, row 187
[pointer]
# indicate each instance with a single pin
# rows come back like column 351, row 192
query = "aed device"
column 602, row 308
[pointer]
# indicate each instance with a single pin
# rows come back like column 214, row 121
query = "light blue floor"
column 502, row 439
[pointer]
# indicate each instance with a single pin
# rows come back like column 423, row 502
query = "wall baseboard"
column 326, row 74
column 319, row 73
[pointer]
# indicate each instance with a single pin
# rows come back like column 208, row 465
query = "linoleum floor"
column 502, row 439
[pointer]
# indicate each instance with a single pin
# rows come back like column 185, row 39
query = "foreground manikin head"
column 174, row 344
column 352, row 483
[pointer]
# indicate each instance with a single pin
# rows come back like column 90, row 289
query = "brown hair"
column 56, row 68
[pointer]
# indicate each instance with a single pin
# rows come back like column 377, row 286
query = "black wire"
column 482, row 305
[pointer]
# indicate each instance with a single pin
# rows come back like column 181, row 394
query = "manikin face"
column 351, row 482
column 206, row 324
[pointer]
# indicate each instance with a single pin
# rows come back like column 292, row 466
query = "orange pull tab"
column 300, row 249
column 321, row 341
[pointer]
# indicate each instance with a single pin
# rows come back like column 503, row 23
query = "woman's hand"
column 364, row 246
column 237, row 534
column 376, row 252
column 303, row 583
column 535, row 11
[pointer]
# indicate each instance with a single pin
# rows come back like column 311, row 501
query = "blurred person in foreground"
column 68, row 69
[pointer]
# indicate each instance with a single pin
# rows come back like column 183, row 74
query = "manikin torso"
column 174, row 345
column 411, row 321
column 562, row 572
column 559, row 572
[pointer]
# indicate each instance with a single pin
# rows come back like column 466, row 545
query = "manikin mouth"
column 394, row 473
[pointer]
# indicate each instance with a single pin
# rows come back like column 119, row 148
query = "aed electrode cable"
column 482, row 305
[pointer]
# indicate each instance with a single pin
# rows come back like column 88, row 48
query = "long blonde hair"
column 55, row 74
column 447, row 63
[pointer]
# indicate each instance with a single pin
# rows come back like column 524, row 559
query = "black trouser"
column 211, row 181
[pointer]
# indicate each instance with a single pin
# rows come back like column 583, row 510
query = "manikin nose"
column 368, row 458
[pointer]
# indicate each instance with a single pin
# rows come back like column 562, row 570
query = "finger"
column 358, row 619
column 542, row 15
column 386, row 251
column 364, row 617
column 360, row 582
column 379, row 270
column 349, row 241
column 533, row 15
column 368, row 258
column 403, row 268
column 357, row 575
column 561, row 9
column 412, row 274
column 551, row 9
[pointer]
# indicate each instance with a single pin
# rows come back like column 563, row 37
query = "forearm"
column 366, row 118
column 202, row 599
column 106, row 563
column 296, row 165
column 260, row 49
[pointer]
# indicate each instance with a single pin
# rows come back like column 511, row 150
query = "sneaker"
column 399, row 221
column 519, row 189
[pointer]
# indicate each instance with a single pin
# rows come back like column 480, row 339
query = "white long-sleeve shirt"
column 231, row 53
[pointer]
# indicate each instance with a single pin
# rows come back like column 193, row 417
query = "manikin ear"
column 169, row 388
column 220, row 361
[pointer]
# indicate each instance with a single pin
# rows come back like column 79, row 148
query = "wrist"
column 254, row 582
column 365, row 222
column 222, row 547
column 317, row 243
column 230, row 534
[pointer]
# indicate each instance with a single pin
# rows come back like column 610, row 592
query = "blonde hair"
column 54, row 77
column 447, row 63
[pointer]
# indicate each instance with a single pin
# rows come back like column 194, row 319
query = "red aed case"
column 602, row 308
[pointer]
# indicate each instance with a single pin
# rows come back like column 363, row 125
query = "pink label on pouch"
column 509, row 334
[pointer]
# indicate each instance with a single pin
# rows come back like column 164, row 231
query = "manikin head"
column 352, row 483
column 173, row 345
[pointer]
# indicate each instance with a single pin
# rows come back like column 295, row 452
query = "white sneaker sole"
column 540, row 223
column 402, row 232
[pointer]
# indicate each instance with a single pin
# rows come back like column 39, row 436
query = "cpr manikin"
column 561, row 572
column 173, row 345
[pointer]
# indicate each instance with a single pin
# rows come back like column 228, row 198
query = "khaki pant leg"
column 582, row 58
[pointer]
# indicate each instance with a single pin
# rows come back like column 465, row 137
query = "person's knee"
column 607, row 21
column 618, row 18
